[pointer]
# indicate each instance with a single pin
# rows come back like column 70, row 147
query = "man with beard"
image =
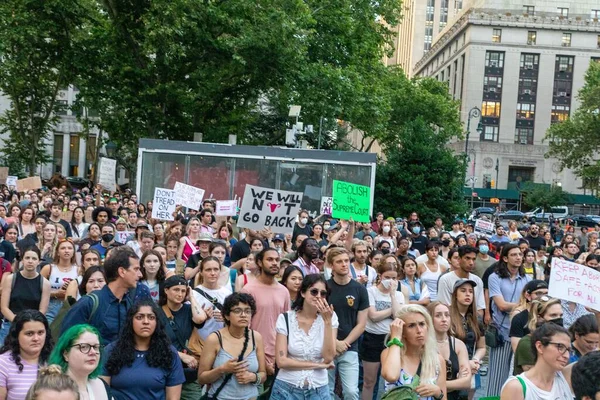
column 272, row 299
column 500, row 235
column 359, row 270
column 307, row 252
column 534, row 239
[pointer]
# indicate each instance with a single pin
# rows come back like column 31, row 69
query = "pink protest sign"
column 575, row 282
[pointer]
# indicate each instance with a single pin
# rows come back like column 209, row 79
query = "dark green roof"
column 514, row 195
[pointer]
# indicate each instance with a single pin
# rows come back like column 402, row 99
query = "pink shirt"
column 16, row 383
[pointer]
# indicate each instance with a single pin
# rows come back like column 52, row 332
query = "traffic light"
column 493, row 184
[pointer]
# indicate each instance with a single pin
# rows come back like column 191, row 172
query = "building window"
column 492, row 84
column 595, row 14
column 443, row 14
column 490, row 133
column 497, row 35
column 566, row 40
column 494, row 59
column 458, row 5
column 560, row 113
column 562, row 88
column 531, row 37
column 563, row 12
column 90, row 156
column 530, row 61
column 58, row 153
column 61, row 107
column 565, row 63
column 524, row 135
column 598, row 42
column 527, row 86
column 490, row 109
column 525, row 111
column 74, row 155
column 529, row 10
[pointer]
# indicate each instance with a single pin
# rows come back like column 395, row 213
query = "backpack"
column 56, row 325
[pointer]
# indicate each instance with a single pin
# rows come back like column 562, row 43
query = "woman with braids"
column 142, row 364
column 26, row 347
column 233, row 358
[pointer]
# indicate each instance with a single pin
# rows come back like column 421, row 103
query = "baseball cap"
column 279, row 236
column 205, row 237
column 534, row 285
column 461, row 282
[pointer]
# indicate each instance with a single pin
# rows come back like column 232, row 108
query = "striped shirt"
column 16, row 383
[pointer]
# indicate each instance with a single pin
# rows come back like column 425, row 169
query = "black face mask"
column 445, row 243
column 557, row 321
column 108, row 237
column 385, row 251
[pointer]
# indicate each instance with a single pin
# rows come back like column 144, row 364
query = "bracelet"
column 258, row 379
column 395, row 342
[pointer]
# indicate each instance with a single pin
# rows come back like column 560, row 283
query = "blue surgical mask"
column 416, row 230
column 484, row 249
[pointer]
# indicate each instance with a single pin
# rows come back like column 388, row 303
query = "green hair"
column 65, row 342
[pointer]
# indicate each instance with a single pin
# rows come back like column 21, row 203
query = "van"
column 558, row 213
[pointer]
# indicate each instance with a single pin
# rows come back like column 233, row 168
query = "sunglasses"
column 315, row 293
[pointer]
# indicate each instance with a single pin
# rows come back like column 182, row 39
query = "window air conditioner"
column 527, row 91
column 523, row 141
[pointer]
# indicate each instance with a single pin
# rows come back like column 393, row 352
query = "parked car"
column 514, row 215
column 595, row 218
column 583, row 220
column 557, row 213
column 481, row 211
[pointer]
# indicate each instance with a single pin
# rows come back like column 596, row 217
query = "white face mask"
column 386, row 229
column 387, row 283
column 304, row 221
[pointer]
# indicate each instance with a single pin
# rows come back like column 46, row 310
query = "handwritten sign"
column 31, row 183
column 575, row 282
column 269, row 208
column 188, row 196
column 226, row 208
column 11, row 181
column 351, row 201
column 3, row 175
column 326, row 204
column 163, row 205
column 484, row 227
column 106, row 173
column 124, row 236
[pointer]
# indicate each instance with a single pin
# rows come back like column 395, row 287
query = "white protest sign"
column 575, row 282
column 11, row 181
column 484, row 227
column 188, row 196
column 326, row 204
column 163, row 205
column 226, row 208
column 106, row 173
column 269, row 208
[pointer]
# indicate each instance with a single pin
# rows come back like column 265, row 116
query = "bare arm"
column 206, row 372
column 3, row 393
column 391, row 363
column 45, row 297
column 512, row 391
column 5, row 298
column 361, row 322
column 514, row 342
column 72, row 289
column 180, row 251
column 4, row 277
column 377, row 316
column 464, row 372
column 173, row 392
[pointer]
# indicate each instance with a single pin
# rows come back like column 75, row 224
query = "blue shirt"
column 142, row 382
column 510, row 291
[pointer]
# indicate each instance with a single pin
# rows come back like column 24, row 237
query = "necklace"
column 442, row 341
column 236, row 337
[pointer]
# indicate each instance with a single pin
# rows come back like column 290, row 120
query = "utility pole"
column 497, row 170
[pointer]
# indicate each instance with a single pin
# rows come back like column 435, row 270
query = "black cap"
column 534, row 285
column 174, row 280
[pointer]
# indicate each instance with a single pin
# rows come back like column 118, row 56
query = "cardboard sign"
column 226, row 208
column 484, row 227
column 31, row 183
column 124, row 236
column 11, row 181
column 66, row 215
column 326, row 205
column 188, row 196
column 163, row 204
column 351, row 201
column 3, row 175
column 575, row 282
column 269, row 208
column 106, row 173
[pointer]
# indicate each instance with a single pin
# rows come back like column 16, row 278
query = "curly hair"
column 65, row 342
column 235, row 299
column 11, row 343
column 159, row 354
column 98, row 210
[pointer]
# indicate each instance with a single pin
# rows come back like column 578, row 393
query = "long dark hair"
column 86, row 277
column 288, row 271
column 502, row 267
column 73, row 217
column 11, row 343
column 159, row 354
column 309, row 281
column 160, row 275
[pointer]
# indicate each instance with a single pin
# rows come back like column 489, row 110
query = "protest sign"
column 66, row 215
column 351, row 201
column 326, row 204
column 188, row 196
column 106, row 173
column 31, row 183
column 226, row 208
column 11, row 181
column 484, row 227
column 3, row 175
column 269, row 208
column 124, row 236
column 163, row 204
column 574, row 282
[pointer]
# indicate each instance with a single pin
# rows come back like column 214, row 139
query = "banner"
column 484, row 227
column 226, row 208
column 11, row 181
column 163, row 204
column 3, row 175
column 326, row 204
column 351, row 201
column 269, row 208
column 188, row 196
column 31, row 183
column 107, row 169
column 575, row 282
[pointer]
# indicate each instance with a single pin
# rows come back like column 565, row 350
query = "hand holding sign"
column 575, row 282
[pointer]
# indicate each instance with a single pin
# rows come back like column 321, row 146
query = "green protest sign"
column 351, row 201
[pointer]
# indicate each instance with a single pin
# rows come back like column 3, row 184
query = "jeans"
column 285, row 391
column 53, row 308
column 4, row 331
column 347, row 366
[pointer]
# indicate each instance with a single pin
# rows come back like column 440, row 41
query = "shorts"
column 371, row 347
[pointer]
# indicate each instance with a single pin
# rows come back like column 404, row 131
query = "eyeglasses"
column 86, row 347
column 242, row 311
column 315, row 293
column 448, row 370
column 560, row 347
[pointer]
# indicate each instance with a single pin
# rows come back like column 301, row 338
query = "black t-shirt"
column 67, row 227
column 347, row 301
column 193, row 260
column 535, row 242
column 419, row 243
column 307, row 230
column 518, row 325
column 240, row 250
column 182, row 324
column 487, row 273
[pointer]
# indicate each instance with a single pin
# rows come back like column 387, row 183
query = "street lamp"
column 475, row 112
column 111, row 148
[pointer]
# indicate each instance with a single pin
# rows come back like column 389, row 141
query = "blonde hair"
column 429, row 356
column 52, row 378
column 537, row 311
column 334, row 252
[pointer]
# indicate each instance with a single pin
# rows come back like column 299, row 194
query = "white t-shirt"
column 446, row 285
column 381, row 301
column 560, row 388
column 211, row 325
column 303, row 347
column 371, row 275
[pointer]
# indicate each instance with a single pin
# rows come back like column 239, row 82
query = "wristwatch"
column 440, row 397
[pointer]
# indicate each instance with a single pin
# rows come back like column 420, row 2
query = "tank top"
column 233, row 390
column 58, row 278
column 416, row 295
column 189, row 248
column 406, row 379
column 26, row 293
column 431, row 280
column 560, row 388
column 454, row 368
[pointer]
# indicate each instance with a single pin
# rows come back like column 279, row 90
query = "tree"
column 541, row 196
column 576, row 141
column 37, row 48
column 420, row 174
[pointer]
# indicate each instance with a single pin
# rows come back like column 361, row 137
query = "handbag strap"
column 172, row 324
column 208, row 297
column 522, row 382
column 512, row 298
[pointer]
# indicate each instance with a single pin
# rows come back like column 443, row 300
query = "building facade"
column 522, row 65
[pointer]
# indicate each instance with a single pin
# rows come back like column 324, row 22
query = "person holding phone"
column 60, row 273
